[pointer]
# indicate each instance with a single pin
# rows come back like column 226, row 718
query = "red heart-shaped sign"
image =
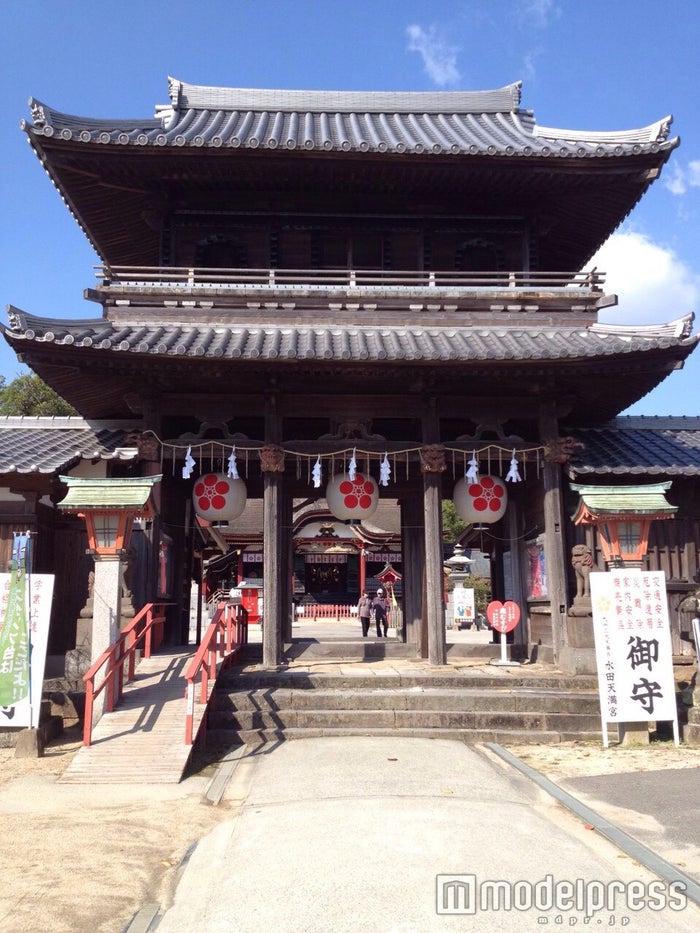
column 503, row 617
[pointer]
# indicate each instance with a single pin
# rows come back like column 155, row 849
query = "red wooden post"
column 89, row 700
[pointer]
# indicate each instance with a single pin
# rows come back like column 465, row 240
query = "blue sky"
column 588, row 64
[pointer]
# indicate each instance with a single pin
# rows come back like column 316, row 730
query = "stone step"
column 429, row 698
column 246, row 678
column 423, row 719
column 253, row 737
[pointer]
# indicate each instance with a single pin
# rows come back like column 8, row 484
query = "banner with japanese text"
column 633, row 647
column 25, row 611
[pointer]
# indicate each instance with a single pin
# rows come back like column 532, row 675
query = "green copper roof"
column 92, row 493
column 633, row 500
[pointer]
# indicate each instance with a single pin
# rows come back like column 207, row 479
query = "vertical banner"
column 25, row 611
column 633, row 648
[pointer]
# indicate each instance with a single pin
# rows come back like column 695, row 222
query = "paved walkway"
column 405, row 836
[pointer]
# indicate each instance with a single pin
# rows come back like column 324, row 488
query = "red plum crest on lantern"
column 481, row 500
column 219, row 498
column 352, row 498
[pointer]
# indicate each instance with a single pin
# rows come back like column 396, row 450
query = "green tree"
column 29, row 395
column 452, row 524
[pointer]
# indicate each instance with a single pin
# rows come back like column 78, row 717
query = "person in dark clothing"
column 364, row 611
column 380, row 605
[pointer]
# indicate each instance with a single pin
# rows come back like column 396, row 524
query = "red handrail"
column 144, row 630
column 223, row 640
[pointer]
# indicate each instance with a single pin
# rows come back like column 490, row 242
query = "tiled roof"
column 645, row 499
column 449, row 122
column 107, row 492
column 350, row 343
column 638, row 445
column 31, row 444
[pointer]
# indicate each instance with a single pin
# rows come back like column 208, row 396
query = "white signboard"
column 463, row 598
column 633, row 648
column 26, row 680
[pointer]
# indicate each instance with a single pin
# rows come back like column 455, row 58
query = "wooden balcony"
column 349, row 289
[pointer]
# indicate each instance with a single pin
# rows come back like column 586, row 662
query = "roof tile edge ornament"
column 38, row 111
column 561, row 449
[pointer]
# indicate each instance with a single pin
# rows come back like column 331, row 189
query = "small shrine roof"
column 30, row 444
column 621, row 501
column 91, row 492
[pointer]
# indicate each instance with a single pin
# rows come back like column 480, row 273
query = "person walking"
column 364, row 611
column 380, row 605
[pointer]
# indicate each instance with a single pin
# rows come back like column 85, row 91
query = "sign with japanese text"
column 633, row 647
column 25, row 611
column 503, row 617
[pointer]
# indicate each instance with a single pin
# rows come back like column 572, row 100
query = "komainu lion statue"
column 582, row 562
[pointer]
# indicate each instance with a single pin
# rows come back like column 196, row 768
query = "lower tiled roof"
column 638, row 445
column 351, row 343
column 30, row 444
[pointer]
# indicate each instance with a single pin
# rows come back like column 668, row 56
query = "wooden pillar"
column 554, row 538
column 413, row 562
column 433, row 465
column 287, row 569
column 517, row 562
column 272, row 466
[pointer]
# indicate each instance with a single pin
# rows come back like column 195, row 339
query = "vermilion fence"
column 222, row 642
column 312, row 612
column 117, row 663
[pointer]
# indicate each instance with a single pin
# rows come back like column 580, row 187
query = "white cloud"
column 439, row 58
column 694, row 173
column 678, row 179
column 652, row 283
column 539, row 12
column 674, row 181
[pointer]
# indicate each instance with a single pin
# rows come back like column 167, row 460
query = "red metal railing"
column 222, row 641
column 117, row 663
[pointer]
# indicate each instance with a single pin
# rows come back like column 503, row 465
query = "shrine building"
column 319, row 314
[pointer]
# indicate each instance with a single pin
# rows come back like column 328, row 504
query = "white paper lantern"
column 352, row 499
column 482, row 500
column 219, row 498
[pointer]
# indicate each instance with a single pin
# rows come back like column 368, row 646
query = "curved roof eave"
column 457, row 123
column 347, row 343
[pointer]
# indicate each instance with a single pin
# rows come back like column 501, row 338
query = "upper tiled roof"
column 350, row 343
column 31, row 444
column 448, row 122
column 639, row 445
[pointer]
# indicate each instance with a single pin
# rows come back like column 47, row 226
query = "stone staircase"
column 404, row 698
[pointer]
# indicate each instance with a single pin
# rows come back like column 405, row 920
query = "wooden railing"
column 179, row 277
column 222, row 642
column 308, row 612
column 117, row 663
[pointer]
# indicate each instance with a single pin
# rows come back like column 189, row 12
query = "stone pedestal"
column 691, row 730
column 577, row 656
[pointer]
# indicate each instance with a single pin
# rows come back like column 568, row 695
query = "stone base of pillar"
column 634, row 733
column 30, row 744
